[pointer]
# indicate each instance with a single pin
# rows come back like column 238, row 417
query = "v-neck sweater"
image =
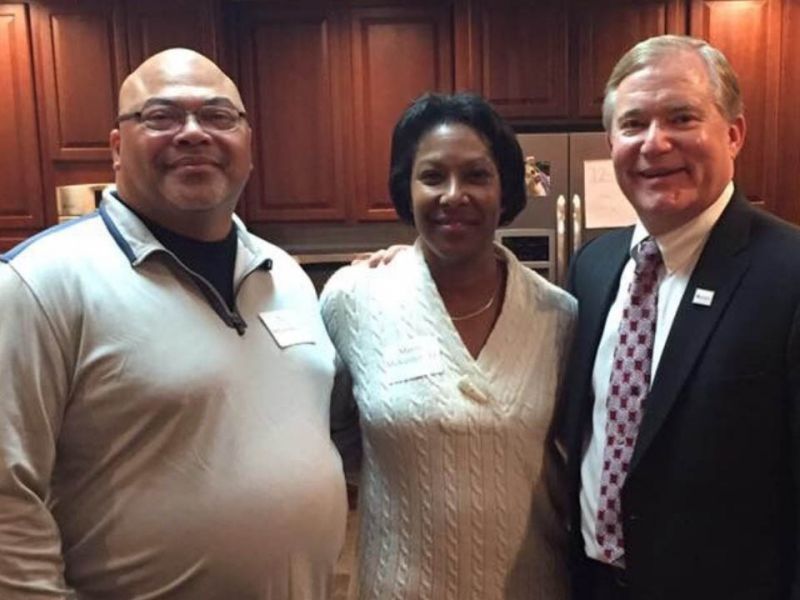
column 453, row 502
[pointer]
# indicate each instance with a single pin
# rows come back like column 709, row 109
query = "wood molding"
column 21, row 189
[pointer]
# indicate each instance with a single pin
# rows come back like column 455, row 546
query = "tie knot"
column 646, row 255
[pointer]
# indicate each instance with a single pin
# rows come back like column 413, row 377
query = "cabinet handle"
column 577, row 223
column 561, row 240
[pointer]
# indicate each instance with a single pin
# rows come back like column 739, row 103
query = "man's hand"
column 379, row 257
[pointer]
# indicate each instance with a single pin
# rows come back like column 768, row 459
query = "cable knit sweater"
column 453, row 503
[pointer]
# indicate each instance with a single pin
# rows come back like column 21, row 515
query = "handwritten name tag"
column 287, row 327
column 413, row 359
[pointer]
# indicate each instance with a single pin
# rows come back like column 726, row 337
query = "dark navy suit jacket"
column 710, row 505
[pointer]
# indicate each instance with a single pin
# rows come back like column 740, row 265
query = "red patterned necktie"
column 630, row 382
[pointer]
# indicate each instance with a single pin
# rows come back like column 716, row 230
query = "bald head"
column 179, row 71
column 186, row 178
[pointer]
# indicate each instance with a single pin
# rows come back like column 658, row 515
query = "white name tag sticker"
column 287, row 327
column 413, row 359
column 703, row 297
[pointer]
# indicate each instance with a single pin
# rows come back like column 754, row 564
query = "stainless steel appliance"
column 73, row 201
column 553, row 226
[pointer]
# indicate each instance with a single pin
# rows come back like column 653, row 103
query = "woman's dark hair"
column 431, row 110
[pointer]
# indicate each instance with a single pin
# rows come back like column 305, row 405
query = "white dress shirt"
column 680, row 250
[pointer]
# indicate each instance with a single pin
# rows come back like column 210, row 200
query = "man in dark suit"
column 680, row 417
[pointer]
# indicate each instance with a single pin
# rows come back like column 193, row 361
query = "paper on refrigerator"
column 604, row 203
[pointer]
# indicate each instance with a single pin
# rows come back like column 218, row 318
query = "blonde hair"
column 724, row 83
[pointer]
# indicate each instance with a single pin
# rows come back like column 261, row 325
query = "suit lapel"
column 719, row 269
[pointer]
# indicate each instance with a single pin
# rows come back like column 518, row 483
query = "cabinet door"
column 8, row 241
column 155, row 25
column 291, row 66
column 519, row 56
column 83, row 60
column 787, row 193
column 748, row 33
column 605, row 31
column 21, row 202
column 398, row 53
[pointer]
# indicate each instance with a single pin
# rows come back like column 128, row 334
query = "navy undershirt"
column 213, row 261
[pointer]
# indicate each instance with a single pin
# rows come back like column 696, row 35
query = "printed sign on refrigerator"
column 605, row 204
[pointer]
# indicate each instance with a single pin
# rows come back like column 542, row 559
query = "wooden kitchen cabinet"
column 748, row 32
column 86, row 49
column 602, row 32
column 21, row 199
column 547, row 60
column 787, row 192
column 519, row 56
column 8, row 241
column 325, row 80
column 82, row 60
column 155, row 25
column 293, row 66
column 398, row 53
column 325, row 87
column 82, row 51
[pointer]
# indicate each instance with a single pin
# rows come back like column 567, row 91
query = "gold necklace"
column 479, row 311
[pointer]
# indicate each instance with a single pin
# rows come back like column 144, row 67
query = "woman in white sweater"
column 454, row 350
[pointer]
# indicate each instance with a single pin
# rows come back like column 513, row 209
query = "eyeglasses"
column 171, row 119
